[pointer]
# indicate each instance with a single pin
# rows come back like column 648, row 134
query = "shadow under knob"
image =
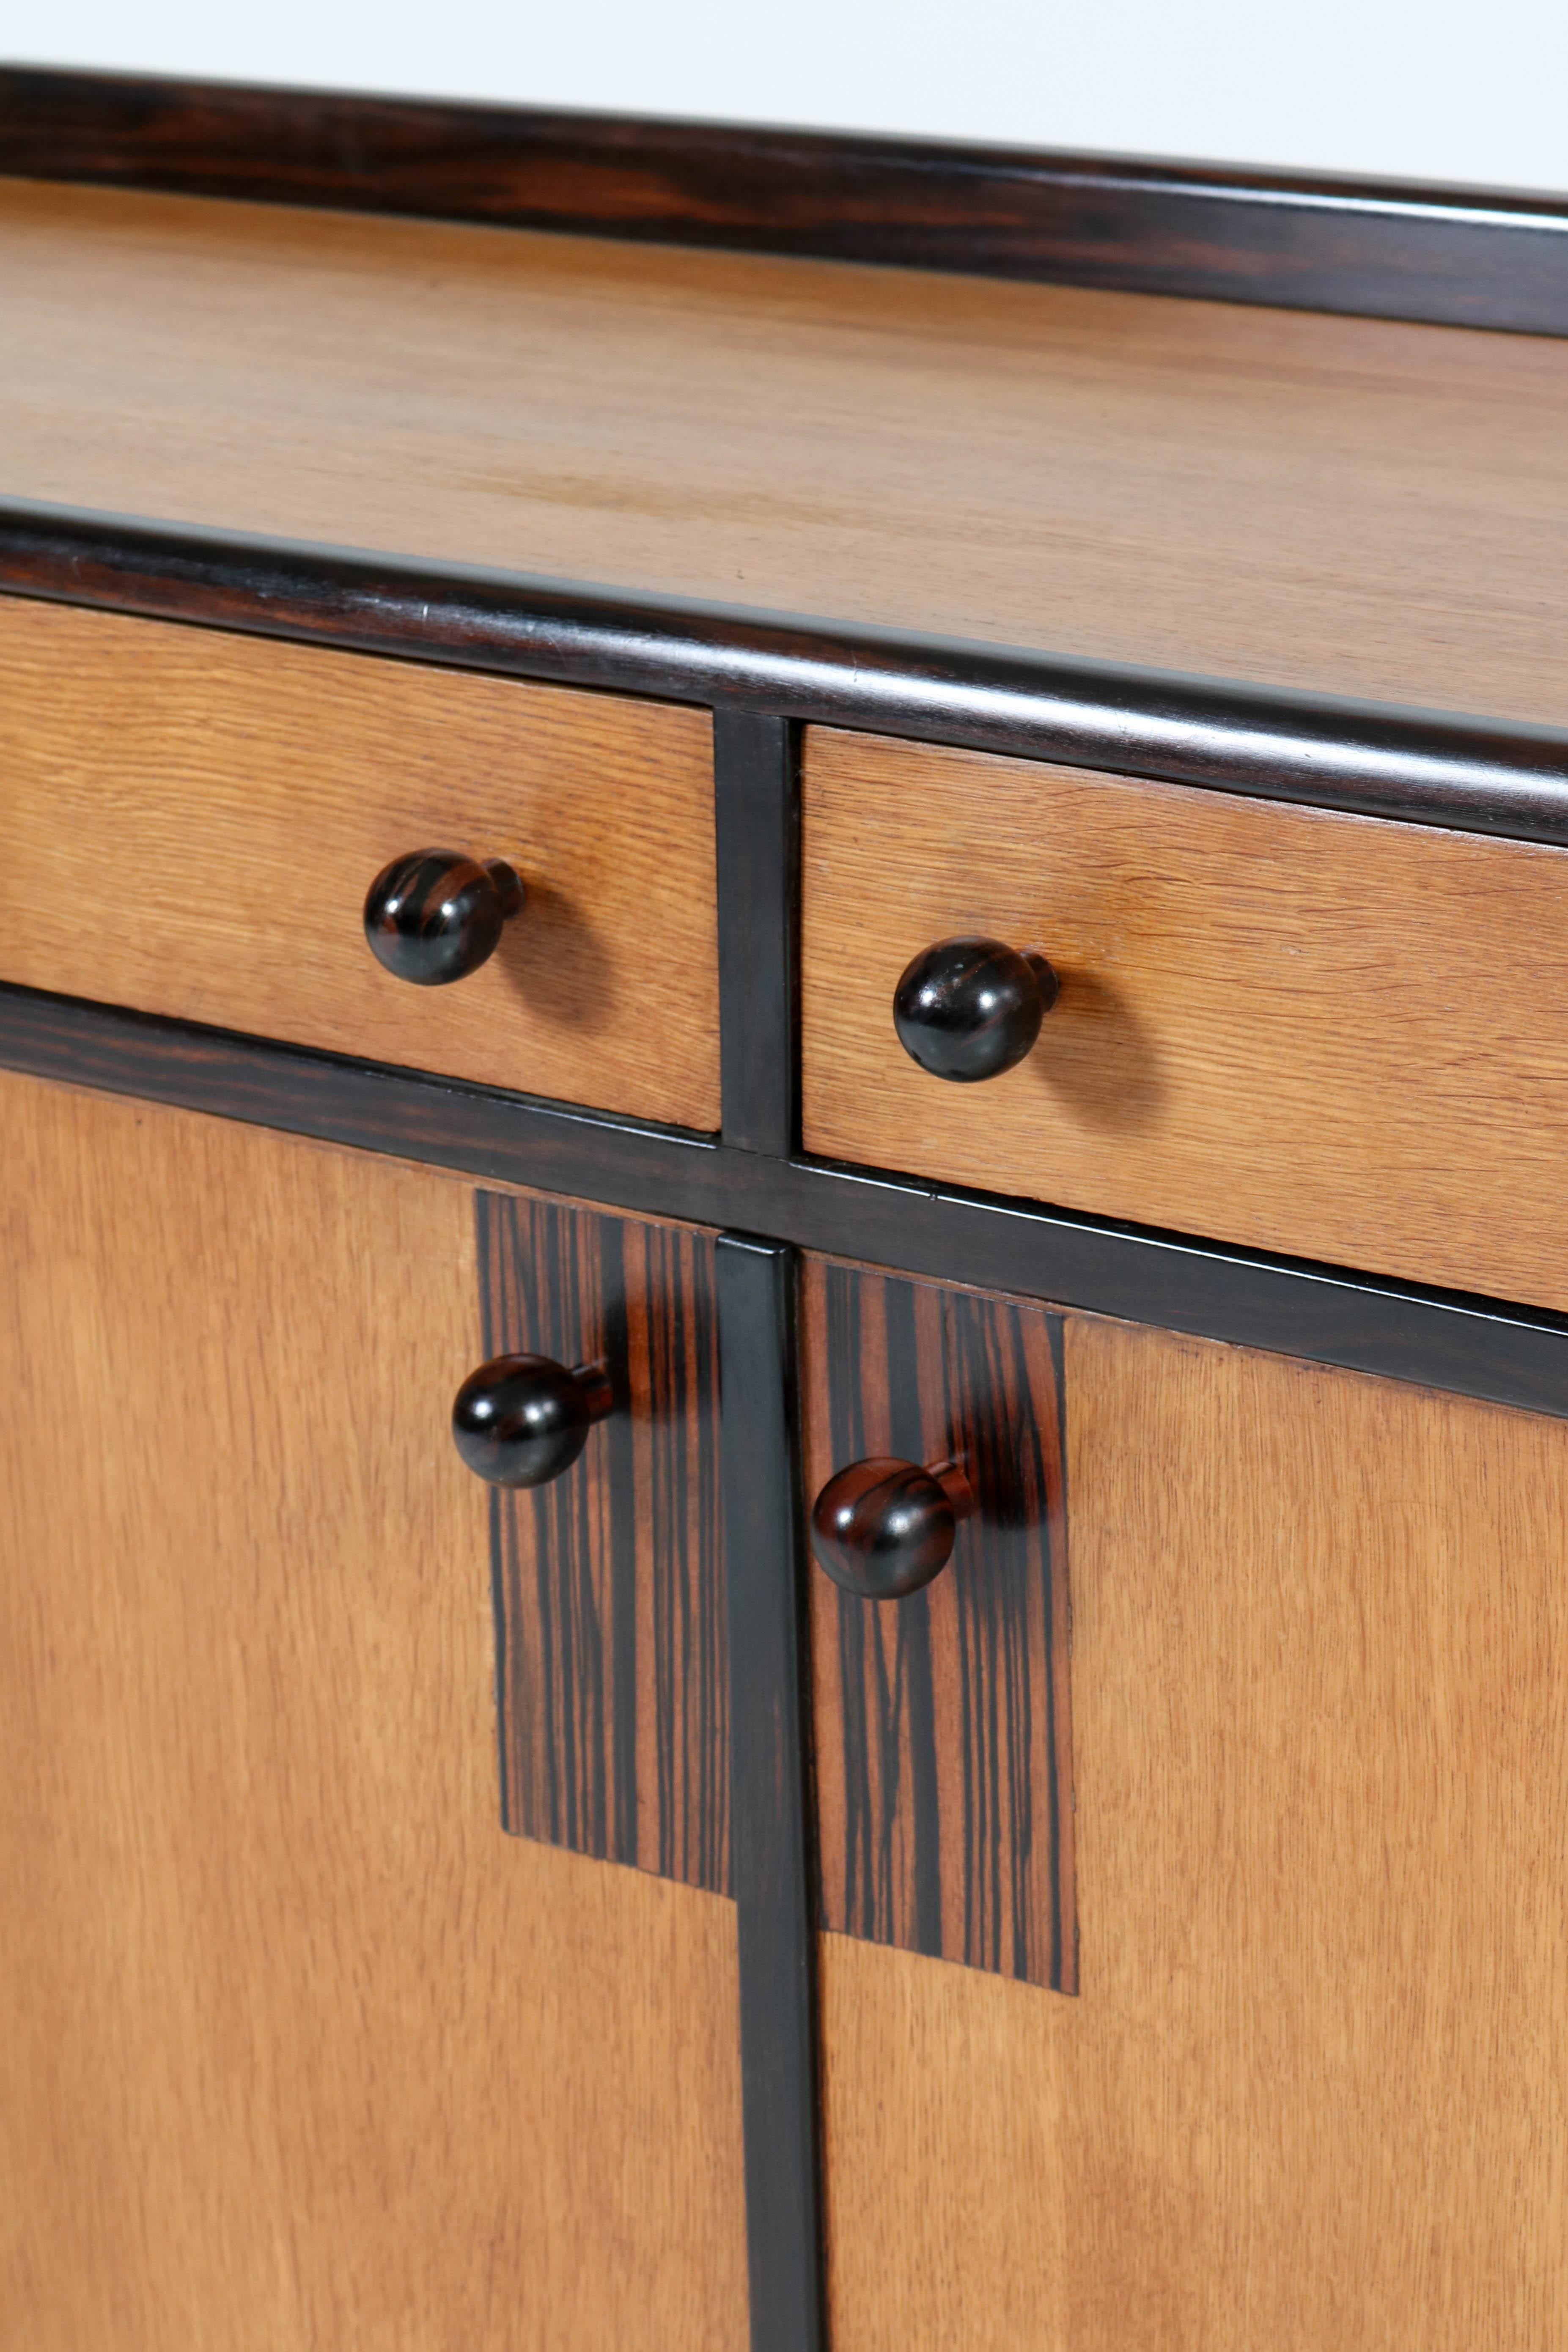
column 969, row 1009
column 520, row 1420
column 884, row 1529
column 437, row 915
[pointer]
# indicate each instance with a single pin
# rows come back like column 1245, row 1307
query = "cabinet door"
column 1312, row 2087
column 301, row 2051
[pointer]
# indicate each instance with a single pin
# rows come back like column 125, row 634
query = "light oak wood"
column 301, row 2051
column 1328, row 1036
column 192, row 821
column 1351, row 504
column 1314, row 2091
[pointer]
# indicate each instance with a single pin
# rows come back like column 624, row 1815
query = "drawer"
column 192, row 821
column 1332, row 1036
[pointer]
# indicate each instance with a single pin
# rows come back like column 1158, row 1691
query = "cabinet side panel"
column 942, row 1722
column 1314, row 2090
column 300, row 2051
column 612, row 1682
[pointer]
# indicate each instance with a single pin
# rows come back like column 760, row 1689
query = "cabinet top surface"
column 1361, row 508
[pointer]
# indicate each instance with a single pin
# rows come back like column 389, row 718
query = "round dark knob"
column 970, row 1009
column 883, row 1529
column 520, row 1420
column 435, row 915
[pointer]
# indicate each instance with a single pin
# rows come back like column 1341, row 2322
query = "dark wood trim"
column 757, row 839
column 1441, row 768
column 773, row 1869
column 1387, row 248
column 1442, row 1339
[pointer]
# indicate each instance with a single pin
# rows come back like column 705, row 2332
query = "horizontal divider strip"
column 1423, row 767
column 1386, row 248
column 1442, row 1339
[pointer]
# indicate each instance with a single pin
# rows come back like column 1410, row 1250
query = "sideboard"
column 784, row 1012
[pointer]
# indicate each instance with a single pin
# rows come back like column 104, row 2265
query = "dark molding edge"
column 773, row 1868
column 1423, row 767
column 1384, row 249
column 1443, row 1339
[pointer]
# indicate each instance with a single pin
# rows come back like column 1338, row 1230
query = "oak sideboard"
column 783, row 1299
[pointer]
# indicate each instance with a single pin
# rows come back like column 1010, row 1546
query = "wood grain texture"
column 612, row 1682
column 943, row 1729
column 1313, row 1034
column 1393, row 249
column 1364, row 507
column 1315, row 2089
column 1511, row 1355
column 193, row 820
column 300, row 2050
column 1489, row 775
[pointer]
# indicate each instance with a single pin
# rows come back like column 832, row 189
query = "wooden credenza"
column 985, row 1760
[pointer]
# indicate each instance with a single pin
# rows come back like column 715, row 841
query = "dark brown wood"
column 1426, row 768
column 756, row 809
column 1387, row 248
column 769, row 1746
column 1399, row 1331
column 522, row 1421
column 884, row 1529
column 437, row 915
column 969, row 1009
column 612, row 1685
column 942, row 1722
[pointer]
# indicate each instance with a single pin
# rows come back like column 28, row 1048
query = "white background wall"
column 1451, row 90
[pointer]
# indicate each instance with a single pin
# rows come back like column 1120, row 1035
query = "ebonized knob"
column 884, row 1529
column 520, row 1420
column 970, row 1009
column 437, row 915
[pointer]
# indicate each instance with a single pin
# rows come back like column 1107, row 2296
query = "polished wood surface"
column 884, row 1529
column 434, row 916
column 1329, row 1036
column 193, row 820
column 1387, row 248
column 942, row 1723
column 1362, row 506
column 1314, row 2090
column 300, row 2050
column 609, row 1582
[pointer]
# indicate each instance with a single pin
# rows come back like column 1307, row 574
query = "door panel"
column 1314, row 2091
column 301, row 2051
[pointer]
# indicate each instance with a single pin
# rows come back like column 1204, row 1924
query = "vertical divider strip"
column 757, row 847
column 770, row 1815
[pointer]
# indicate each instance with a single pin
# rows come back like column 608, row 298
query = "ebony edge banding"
column 1443, row 1340
column 1386, row 248
column 773, row 1866
column 757, row 845
column 1477, row 774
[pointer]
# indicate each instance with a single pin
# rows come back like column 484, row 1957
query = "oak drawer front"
column 1332, row 1036
column 190, row 820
